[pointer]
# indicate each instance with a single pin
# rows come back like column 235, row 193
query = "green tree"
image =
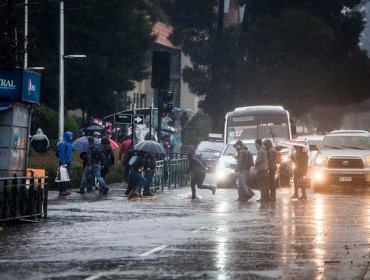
column 115, row 36
column 285, row 52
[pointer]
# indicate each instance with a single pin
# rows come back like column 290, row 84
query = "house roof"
column 163, row 32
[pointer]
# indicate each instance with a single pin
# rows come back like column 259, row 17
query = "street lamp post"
column 61, row 70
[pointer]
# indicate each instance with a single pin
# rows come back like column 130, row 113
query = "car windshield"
column 208, row 149
column 340, row 142
column 231, row 151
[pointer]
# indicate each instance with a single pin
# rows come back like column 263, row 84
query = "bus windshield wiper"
column 332, row 147
column 354, row 148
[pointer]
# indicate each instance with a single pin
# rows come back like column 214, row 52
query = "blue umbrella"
column 176, row 109
column 80, row 144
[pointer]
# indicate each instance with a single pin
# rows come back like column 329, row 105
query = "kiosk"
column 20, row 196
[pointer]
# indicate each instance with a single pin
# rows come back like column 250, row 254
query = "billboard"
column 19, row 84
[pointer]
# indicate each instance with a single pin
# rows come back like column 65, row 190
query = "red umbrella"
column 113, row 144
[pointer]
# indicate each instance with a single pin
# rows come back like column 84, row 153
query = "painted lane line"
column 160, row 248
column 94, row 277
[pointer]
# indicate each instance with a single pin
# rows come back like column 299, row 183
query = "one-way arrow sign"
column 139, row 119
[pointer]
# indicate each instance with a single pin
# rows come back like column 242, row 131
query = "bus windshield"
column 258, row 126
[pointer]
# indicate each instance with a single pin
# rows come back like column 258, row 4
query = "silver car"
column 343, row 160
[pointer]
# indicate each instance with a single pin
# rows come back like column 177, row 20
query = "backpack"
column 97, row 154
column 277, row 157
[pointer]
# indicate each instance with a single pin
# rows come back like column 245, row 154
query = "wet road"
column 172, row 237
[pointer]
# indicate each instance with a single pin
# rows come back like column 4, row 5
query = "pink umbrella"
column 294, row 142
column 113, row 144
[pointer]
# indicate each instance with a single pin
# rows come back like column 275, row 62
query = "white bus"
column 252, row 122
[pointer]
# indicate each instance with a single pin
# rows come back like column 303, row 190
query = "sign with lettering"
column 19, row 84
column 10, row 83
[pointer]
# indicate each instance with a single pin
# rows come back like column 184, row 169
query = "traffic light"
column 168, row 102
column 161, row 65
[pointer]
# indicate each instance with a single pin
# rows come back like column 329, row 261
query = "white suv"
column 343, row 159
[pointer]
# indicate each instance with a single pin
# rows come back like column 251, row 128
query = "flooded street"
column 173, row 237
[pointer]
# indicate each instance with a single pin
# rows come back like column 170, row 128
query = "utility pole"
column 61, row 71
column 221, row 8
column 25, row 65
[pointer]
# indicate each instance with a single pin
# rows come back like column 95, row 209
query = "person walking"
column 300, row 159
column 40, row 142
column 244, row 162
column 108, row 156
column 124, row 155
column 95, row 157
column 198, row 169
column 271, row 156
column 149, row 169
column 136, row 181
column 65, row 159
column 262, row 170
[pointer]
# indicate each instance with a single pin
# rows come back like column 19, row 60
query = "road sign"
column 127, row 119
column 123, row 118
column 139, row 119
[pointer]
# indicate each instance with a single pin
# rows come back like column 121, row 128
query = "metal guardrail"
column 23, row 198
column 171, row 172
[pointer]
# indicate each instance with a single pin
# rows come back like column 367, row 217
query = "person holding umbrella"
column 300, row 159
column 95, row 157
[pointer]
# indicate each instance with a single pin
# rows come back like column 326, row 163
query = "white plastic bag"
column 62, row 174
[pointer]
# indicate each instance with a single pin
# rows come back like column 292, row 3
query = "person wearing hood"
column 198, row 169
column 271, row 156
column 40, row 142
column 65, row 158
column 244, row 162
column 108, row 156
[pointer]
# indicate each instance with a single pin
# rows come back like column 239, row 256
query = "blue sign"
column 10, row 83
column 19, row 84
column 31, row 86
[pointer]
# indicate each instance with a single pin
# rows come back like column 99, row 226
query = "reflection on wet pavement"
column 173, row 237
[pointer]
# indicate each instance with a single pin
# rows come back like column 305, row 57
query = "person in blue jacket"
column 65, row 159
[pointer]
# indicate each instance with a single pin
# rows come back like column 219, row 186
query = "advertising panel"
column 31, row 87
column 10, row 83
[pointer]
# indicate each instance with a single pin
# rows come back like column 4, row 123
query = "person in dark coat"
column 149, row 169
column 271, row 155
column 300, row 159
column 261, row 164
column 244, row 162
column 40, row 142
column 136, row 180
column 108, row 156
column 95, row 158
column 198, row 169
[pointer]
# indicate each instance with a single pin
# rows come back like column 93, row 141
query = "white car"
column 225, row 168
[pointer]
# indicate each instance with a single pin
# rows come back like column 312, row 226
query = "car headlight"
column 318, row 176
column 367, row 159
column 221, row 165
column 285, row 158
column 321, row 160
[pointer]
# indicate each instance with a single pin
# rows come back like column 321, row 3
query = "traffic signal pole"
column 160, row 112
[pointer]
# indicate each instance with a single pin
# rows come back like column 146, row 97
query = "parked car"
column 343, row 160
